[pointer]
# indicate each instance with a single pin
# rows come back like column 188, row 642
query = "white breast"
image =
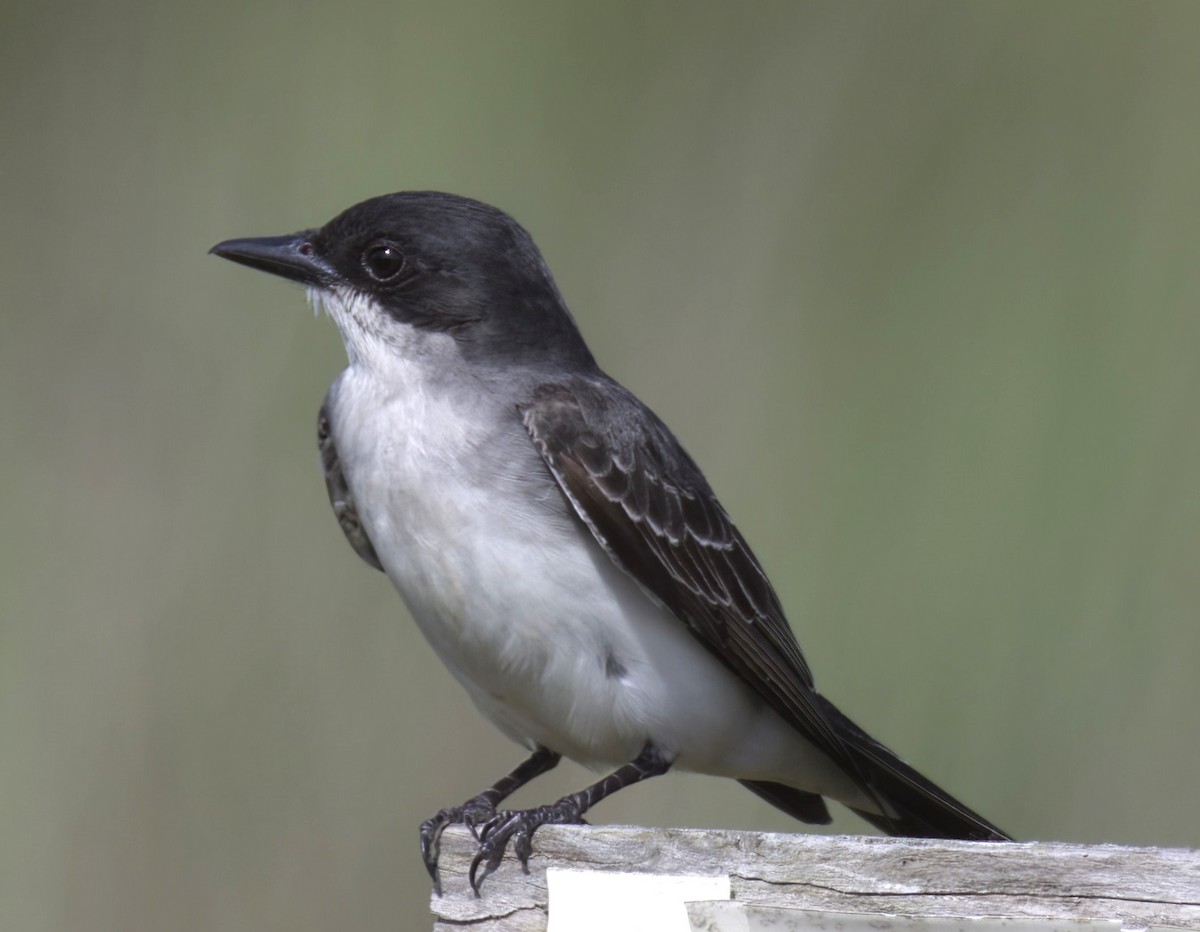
column 554, row 642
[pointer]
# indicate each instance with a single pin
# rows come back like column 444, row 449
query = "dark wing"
column 339, row 493
column 651, row 508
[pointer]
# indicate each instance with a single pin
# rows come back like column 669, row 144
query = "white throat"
column 374, row 340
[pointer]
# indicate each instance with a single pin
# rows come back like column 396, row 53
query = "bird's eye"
column 383, row 261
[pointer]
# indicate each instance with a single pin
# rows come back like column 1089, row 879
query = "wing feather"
column 340, row 498
column 650, row 507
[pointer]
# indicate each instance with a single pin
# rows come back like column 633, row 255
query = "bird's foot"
column 516, row 826
column 475, row 812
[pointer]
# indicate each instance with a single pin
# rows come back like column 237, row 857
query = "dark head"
column 430, row 262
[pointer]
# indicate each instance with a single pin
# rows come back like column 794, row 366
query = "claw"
column 523, row 848
column 431, row 846
column 495, row 831
column 471, row 813
column 490, row 854
column 490, row 860
column 477, row 814
column 516, row 827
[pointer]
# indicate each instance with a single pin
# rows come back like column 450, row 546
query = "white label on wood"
column 600, row 901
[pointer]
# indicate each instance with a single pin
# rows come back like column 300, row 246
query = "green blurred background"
column 915, row 283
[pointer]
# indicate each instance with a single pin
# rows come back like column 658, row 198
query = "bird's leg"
column 518, row 825
column 479, row 809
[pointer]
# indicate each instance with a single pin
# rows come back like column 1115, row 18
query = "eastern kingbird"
column 557, row 547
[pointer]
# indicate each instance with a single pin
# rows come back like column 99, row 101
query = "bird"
column 560, row 551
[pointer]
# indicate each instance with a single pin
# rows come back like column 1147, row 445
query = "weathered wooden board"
column 868, row 874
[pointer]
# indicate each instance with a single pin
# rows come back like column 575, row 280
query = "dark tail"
column 807, row 807
column 913, row 806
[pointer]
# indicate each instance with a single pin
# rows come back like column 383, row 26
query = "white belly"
column 554, row 642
